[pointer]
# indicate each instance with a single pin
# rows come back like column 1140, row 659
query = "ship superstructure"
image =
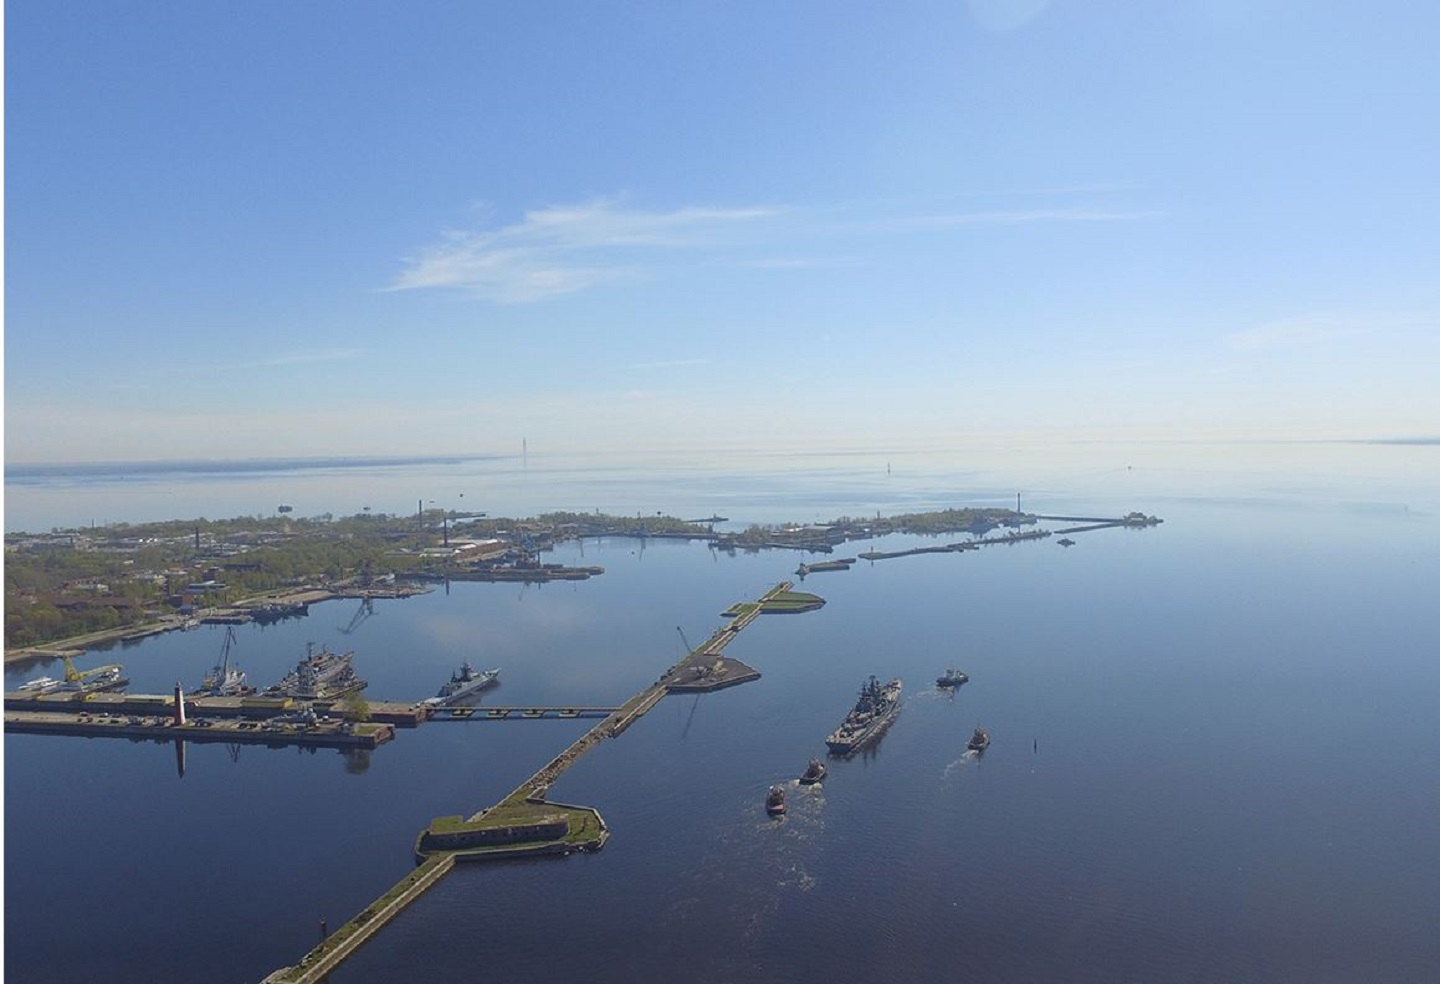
column 464, row 682
column 321, row 675
column 872, row 714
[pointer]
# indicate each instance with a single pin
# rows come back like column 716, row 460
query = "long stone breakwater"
column 526, row 822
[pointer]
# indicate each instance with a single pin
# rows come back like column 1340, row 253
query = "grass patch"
column 739, row 608
column 792, row 601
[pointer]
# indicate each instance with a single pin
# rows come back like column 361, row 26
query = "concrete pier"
column 335, row 734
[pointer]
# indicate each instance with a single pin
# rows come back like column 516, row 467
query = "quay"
column 525, row 575
column 1011, row 538
column 480, row 713
column 397, row 714
column 916, row 551
column 1132, row 519
column 392, row 713
column 326, row 734
column 843, row 564
column 237, row 614
column 525, row 823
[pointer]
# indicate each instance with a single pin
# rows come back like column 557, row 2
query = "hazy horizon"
column 281, row 231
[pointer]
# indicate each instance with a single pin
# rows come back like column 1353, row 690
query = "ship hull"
column 455, row 692
column 850, row 745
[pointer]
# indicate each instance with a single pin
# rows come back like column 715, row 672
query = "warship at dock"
column 872, row 714
column 465, row 682
column 321, row 675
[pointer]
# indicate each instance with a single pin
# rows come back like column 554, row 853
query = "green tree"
column 355, row 707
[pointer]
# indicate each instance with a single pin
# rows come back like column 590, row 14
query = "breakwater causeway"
column 527, row 824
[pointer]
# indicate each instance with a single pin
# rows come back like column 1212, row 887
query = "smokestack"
column 179, row 704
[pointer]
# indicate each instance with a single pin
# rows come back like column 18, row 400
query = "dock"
column 326, row 734
column 481, row 713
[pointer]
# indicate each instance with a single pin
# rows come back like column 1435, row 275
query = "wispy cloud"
column 567, row 248
column 281, row 359
column 563, row 249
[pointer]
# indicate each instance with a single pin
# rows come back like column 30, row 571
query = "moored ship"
column 320, row 675
column 872, row 714
column 226, row 679
column 274, row 611
column 77, row 683
column 464, row 682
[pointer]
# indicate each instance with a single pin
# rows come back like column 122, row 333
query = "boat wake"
column 968, row 756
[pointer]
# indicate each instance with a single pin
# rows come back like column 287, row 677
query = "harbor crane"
column 367, row 608
column 75, row 676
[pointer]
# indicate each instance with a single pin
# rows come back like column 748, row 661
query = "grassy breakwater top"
column 783, row 603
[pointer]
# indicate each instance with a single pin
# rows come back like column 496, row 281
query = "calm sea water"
column 1213, row 758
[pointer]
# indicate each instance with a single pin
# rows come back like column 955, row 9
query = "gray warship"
column 872, row 714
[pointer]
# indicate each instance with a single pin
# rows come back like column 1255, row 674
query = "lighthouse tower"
column 179, row 704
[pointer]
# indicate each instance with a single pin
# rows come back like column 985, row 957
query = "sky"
column 271, row 229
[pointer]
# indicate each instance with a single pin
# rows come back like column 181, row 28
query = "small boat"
column 813, row 773
column 1065, row 542
column 979, row 741
column 775, row 801
column 42, row 685
column 951, row 678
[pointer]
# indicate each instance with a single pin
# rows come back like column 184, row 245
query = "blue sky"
column 275, row 229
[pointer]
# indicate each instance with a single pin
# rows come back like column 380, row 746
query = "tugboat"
column 775, row 801
column 868, row 719
column 951, row 678
column 979, row 741
column 463, row 682
column 814, row 772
